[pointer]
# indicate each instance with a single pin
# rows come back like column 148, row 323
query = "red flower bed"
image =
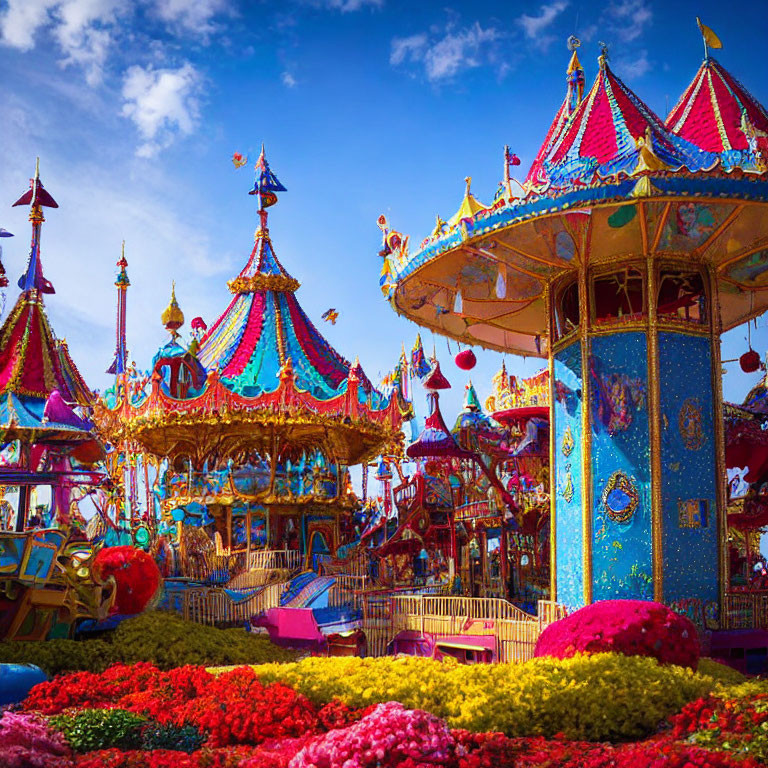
column 631, row 627
column 233, row 708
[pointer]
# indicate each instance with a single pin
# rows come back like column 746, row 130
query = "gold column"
column 586, row 434
column 721, row 499
column 654, row 430
column 552, row 454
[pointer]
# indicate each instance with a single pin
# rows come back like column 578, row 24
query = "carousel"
column 253, row 425
column 630, row 246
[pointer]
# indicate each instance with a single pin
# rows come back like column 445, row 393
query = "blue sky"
column 365, row 106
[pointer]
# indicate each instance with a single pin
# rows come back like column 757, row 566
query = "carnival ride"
column 631, row 244
column 47, row 440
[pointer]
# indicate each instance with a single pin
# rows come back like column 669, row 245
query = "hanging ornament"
column 458, row 303
column 466, row 360
column 749, row 361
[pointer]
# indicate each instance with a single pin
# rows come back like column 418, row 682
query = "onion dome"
column 435, row 379
column 172, row 317
column 574, row 94
column 717, row 114
column 612, row 132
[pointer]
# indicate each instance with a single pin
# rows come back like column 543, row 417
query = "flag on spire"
column 711, row 40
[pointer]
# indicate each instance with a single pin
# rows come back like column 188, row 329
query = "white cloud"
column 629, row 18
column 345, row 6
column 21, row 21
column 288, row 80
column 194, row 16
column 81, row 28
column 408, row 49
column 533, row 26
column 635, row 67
column 162, row 103
column 447, row 53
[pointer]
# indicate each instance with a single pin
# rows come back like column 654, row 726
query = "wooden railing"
column 516, row 631
column 348, row 590
column 213, row 606
column 264, row 559
column 745, row 610
column 258, row 577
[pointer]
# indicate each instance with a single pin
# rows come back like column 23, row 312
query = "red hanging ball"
column 466, row 360
column 749, row 361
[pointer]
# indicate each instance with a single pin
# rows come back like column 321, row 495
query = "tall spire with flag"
column 121, row 283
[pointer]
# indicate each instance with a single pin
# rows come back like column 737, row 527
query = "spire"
column 469, row 206
column 263, row 271
column 574, row 77
column 173, row 318
column 471, row 400
column 121, row 283
column 265, row 186
column 36, row 197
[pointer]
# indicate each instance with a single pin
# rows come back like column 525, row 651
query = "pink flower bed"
column 631, row 627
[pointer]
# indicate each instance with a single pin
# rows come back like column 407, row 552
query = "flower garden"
column 587, row 710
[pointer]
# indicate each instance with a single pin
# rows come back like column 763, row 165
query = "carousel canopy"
column 612, row 182
column 274, row 385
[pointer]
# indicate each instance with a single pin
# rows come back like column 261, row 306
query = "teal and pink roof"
column 264, row 326
column 610, row 174
column 266, row 365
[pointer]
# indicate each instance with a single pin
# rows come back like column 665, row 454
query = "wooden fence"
column 516, row 631
column 267, row 559
column 745, row 610
column 209, row 605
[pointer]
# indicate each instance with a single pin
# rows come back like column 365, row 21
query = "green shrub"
column 721, row 673
column 182, row 738
column 168, row 641
column 60, row 655
column 596, row 697
column 92, row 729
column 162, row 638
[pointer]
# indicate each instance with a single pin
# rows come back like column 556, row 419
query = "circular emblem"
column 620, row 497
column 689, row 424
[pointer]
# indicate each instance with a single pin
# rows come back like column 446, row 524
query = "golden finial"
column 173, row 318
column 468, row 181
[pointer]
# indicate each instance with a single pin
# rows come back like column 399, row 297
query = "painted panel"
column 688, row 467
column 568, row 476
column 622, row 564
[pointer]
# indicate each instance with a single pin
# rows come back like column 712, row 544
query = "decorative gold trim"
column 585, row 323
column 719, row 425
column 552, row 459
column 654, row 431
column 259, row 282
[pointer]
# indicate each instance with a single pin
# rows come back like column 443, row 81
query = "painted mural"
column 621, row 516
column 568, row 476
column 688, row 489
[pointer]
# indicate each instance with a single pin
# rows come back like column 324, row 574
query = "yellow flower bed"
column 596, row 697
